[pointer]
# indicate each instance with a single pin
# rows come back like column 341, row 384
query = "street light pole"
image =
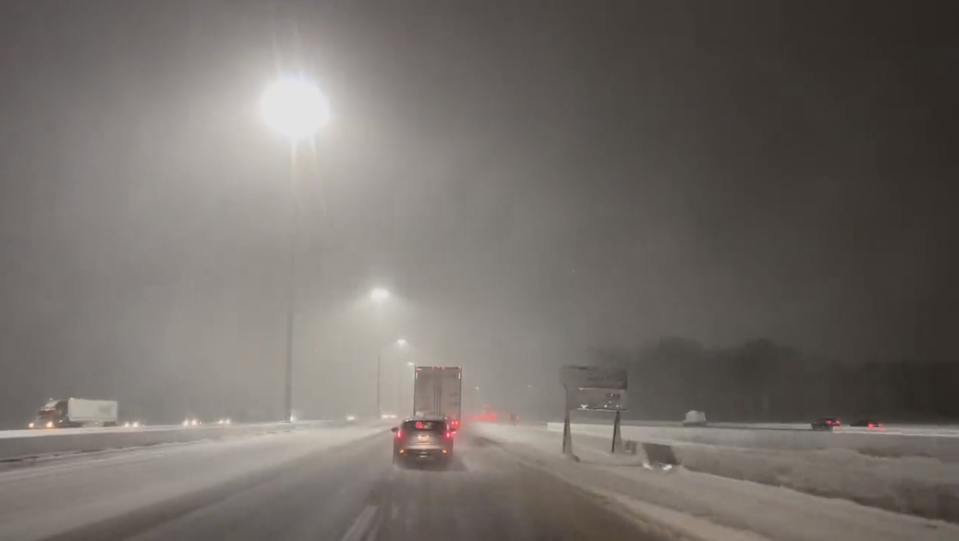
column 295, row 108
column 399, row 386
column 291, row 290
column 379, row 369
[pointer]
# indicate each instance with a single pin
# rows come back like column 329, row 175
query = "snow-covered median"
column 768, row 511
column 86, row 440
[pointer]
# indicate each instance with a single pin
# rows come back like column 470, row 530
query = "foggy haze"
column 530, row 180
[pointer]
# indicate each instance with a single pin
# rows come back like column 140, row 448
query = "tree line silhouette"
column 761, row 381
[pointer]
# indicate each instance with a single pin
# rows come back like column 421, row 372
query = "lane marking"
column 360, row 525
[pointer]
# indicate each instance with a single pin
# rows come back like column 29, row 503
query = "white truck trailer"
column 438, row 391
column 76, row 412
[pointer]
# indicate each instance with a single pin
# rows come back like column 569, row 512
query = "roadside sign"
column 593, row 377
column 596, row 399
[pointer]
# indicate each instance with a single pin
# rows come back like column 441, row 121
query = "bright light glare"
column 295, row 108
column 379, row 294
column 410, row 364
column 401, row 342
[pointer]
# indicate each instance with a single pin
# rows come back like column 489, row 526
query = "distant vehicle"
column 866, row 423
column 75, row 413
column 350, row 418
column 191, row 421
column 224, row 421
column 388, row 416
column 694, row 418
column 826, row 423
column 437, row 392
column 486, row 414
column 423, row 439
column 133, row 424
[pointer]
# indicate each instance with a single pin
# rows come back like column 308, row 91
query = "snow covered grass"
column 883, row 475
column 913, row 485
column 893, row 442
column 772, row 512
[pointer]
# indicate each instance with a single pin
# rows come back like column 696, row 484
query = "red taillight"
column 449, row 435
column 419, row 425
column 399, row 434
column 872, row 425
column 879, row 425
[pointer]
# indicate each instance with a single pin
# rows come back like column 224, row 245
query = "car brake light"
column 879, row 425
column 419, row 424
column 872, row 425
column 449, row 435
column 399, row 434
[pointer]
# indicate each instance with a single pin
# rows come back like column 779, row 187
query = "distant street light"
column 294, row 108
column 379, row 295
column 401, row 342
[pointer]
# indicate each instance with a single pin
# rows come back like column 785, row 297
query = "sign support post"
column 567, row 437
column 617, row 446
column 567, row 430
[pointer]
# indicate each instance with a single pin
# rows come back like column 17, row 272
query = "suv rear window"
column 424, row 426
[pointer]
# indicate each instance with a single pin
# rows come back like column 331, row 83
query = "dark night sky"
column 530, row 178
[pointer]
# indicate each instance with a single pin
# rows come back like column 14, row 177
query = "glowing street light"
column 379, row 295
column 401, row 342
column 295, row 108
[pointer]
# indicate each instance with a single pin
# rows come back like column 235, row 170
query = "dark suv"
column 423, row 439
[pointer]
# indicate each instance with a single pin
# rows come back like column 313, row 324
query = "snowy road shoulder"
column 771, row 512
column 72, row 493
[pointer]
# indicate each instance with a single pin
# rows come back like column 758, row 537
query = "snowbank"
column 86, row 440
column 943, row 445
column 771, row 512
column 913, row 484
